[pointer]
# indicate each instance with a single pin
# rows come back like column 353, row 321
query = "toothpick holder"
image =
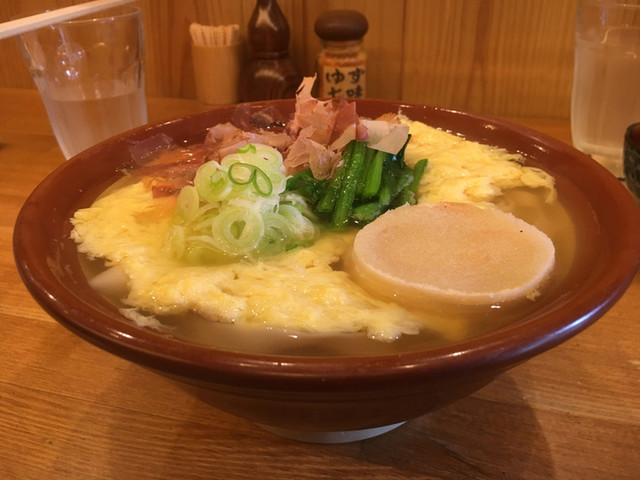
column 217, row 73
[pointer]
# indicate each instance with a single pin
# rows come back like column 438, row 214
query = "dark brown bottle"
column 270, row 74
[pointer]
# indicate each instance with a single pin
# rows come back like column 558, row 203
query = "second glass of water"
column 606, row 83
column 90, row 75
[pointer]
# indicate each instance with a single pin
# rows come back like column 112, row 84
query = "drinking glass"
column 606, row 82
column 90, row 75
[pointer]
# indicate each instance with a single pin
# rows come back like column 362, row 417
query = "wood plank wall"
column 495, row 57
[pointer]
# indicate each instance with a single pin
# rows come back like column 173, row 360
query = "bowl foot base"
column 330, row 437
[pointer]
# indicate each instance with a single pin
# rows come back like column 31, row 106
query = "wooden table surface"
column 69, row 410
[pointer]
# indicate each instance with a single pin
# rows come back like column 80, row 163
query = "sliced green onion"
column 277, row 235
column 235, row 209
column 237, row 230
column 211, row 182
column 203, row 224
column 188, row 204
column 242, row 173
column 300, row 225
column 207, row 210
column 270, row 170
column 248, row 148
column 270, row 154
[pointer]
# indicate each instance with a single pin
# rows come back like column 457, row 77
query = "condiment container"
column 341, row 65
column 270, row 73
column 217, row 53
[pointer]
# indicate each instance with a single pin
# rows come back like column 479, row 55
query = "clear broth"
column 439, row 330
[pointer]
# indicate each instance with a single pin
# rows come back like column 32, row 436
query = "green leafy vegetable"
column 368, row 183
column 373, row 174
column 352, row 167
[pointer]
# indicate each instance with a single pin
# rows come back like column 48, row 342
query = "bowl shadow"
column 454, row 442
column 449, row 443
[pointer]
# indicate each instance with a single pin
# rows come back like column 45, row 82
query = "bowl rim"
column 490, row 352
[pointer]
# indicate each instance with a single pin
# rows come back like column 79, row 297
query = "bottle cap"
column 341, row 25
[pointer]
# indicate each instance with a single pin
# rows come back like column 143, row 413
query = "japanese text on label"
column 344, row 81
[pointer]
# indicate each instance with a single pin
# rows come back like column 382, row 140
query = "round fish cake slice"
column 451, row 255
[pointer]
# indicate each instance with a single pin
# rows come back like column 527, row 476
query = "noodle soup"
column 437, row 329
column 423, row 327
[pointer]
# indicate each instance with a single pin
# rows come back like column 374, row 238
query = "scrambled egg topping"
column 460, row 170
column 300, row 290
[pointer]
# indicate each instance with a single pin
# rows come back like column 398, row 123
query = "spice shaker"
column 341, row 65
column 270, row 74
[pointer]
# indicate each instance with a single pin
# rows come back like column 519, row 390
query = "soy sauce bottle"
column 270, row 73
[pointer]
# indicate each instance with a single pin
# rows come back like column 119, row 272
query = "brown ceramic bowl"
column 327, row 397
